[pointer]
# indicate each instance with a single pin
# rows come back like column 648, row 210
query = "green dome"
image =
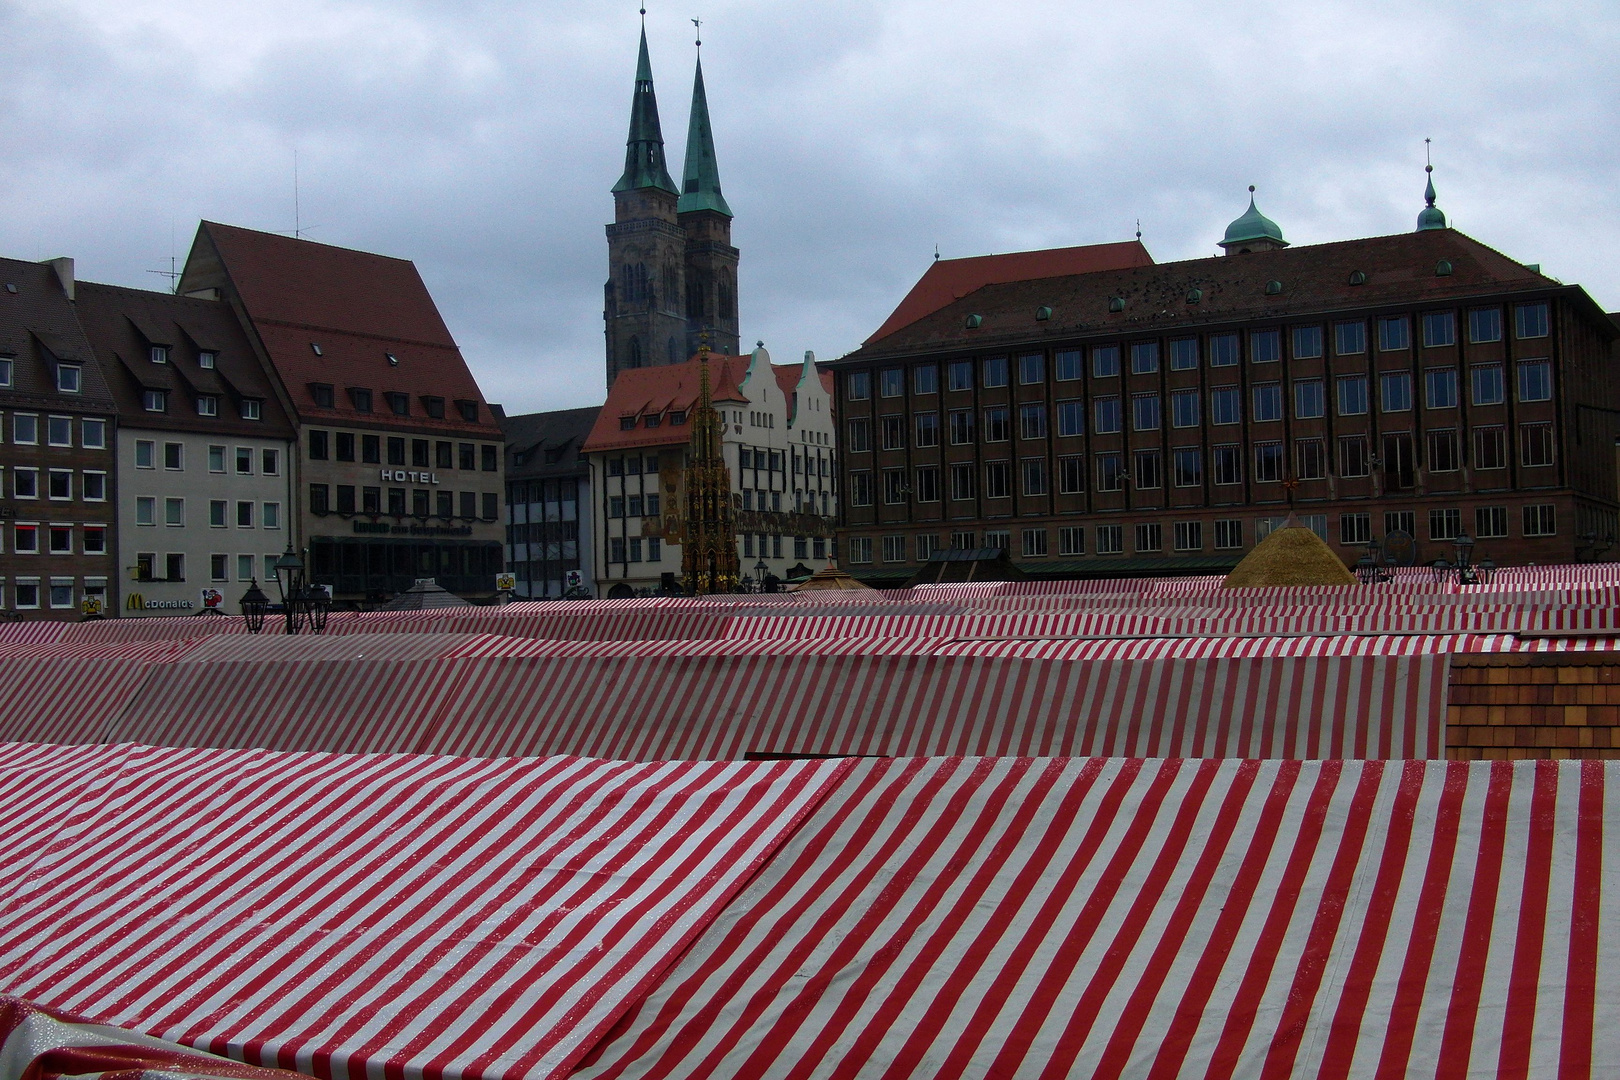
column 1431, row 217
column 1252, row 226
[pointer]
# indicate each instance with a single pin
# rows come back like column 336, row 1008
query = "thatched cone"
column 1291, row 555
column 830, row 578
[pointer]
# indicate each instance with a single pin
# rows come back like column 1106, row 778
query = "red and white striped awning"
column 1057, row 918
column 374, row 916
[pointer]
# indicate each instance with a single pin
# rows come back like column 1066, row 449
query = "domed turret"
column 1252, row 232
column 1432, row 217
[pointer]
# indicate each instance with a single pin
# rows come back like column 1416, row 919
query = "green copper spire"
column 644, row 150
column 701, row 187
column 1431, row 217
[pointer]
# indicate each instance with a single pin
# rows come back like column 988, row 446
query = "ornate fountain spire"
column 709, row 554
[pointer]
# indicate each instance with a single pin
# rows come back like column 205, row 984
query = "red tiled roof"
column 640, row 392
column 358, row 308
column 948, row 280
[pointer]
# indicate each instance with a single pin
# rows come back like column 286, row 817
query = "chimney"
column 64, row 274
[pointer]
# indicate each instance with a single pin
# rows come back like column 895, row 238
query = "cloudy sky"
column 480, row 138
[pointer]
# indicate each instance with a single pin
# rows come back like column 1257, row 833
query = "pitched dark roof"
column 122, row 324
column 38, row 329
column 357, row 307
column 946, row 280
column 1314, row 279
column 547, row 443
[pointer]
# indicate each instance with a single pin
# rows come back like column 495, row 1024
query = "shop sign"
column 403, row 476
column 136, row 602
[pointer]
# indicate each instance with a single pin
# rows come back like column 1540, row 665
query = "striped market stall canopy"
column 501, row 920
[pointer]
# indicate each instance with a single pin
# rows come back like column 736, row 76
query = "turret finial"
column 1432, row 217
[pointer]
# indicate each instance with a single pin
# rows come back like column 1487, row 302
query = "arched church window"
column 671, row 288
column 633, row 354
column 723, row 296
column 674, row 352
column 694, row 300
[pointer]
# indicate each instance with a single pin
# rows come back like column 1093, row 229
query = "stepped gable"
column 1399, row 269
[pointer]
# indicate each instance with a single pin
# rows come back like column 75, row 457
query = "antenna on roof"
column 171, row 273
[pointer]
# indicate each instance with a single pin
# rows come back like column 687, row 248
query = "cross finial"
column 1139, row 228
column 699, row 24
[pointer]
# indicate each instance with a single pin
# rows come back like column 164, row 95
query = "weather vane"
column 699, row 24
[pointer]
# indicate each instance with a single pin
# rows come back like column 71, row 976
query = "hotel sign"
column 403, row 476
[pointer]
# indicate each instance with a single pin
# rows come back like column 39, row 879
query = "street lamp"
column 255, row 606
column 290, row 579
column 760, row 570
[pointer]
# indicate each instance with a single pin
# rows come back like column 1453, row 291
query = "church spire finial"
column 1431, row 217
column 644, row 149
column 700, row 179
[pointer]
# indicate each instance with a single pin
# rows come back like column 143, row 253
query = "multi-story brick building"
column 1162, row 418
column 548, row 501
column 204, row 484
column 399, row 474
column 57, row 475
column 778, row 444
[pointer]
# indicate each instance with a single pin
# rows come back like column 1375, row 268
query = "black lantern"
column 760, row 570
column 318, row 604
column 290, row 579
column 1465, row 548
column 255, row 606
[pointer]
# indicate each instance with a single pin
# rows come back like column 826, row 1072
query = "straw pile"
column 1292, row 555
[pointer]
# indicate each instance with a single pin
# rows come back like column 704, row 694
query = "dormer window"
column 323, row 395
column 69, row 378
column 360, row 398
column 155, row 401
column 652, row 420
column 5, row 370
column 627, row 423
column 677, row 416
column 207, row 405
column 159, row 354
column 469, row 411
column 251, row 409
column 205, row 359
column 434, row 407
column 399, row 404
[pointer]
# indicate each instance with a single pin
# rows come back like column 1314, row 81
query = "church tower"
column 644, row 300
column 705, row 218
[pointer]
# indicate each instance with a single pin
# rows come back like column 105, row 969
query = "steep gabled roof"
column 657, row 391
column 951, row 279
column 39, row 328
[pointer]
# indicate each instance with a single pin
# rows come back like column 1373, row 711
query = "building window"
column 1149, row 537
column 1539, row 521
column 1229, row 533
column 1068, row 365
column 1353, row 455
column 960, row 375
column 1189, row 536
column 1183, row 354
column 323, row 395
column 1308, row 403
column 1349, row 338
column 1145, row 412
column 25, row 428
column 251, row 409
column 1490, row 522
column 1488, row 389
column 927, row 433
column 1310, row 459
column 994, row 370
column 360, row 398
column 1402, row 521
column 1396, row 387
column 1392, row 334
column 25, row 482
column 469, row 505
column 1443, row 450
column 894, row 486
column 1535, row 444
column 961, row 427
column 616, row 506
column 69, row 378
column 1110, row 539
column 1034, row 543
column 1034, row 475
column 1351, row 395
column 419, row 503
column 319, row 502
column 94, row 485
column 174, row 456
column 95, row 539
column 1032, row 421
column 1439, row 329
column 1188, row 462
column 1071, row 540
column 207, row 405
column 59, row 484
column 1399, row 465
column 1149, row 469
column 491, row 507
column 1071, row 474
column 244, row 508
column 860, row 488
column 61, row 539
column 1110, row 472
column 1490, row 448
column 996, row 480
column 421, row 453
column 158, row 354
column 894, row 433
column 892, row 382
column 435, row 407
column 1225, row 405
column 859, row 435
column 5, row 370
column 244, row 461
column 1267, row 401
column 59, row 430
column 467, row 457
column 995, row 424
column 928, row 483
column 1228, row 464
column 396, row 501
column 1031, row 369
column 1223, row 350
column 1184, row 408
column 860, row 549
column 857, row 387
column 961, row 482
column 93, row 434
column 25, row 539
column 1265, row 346
column 1440, row 388
column 1106, row 411
column 894, row 549
column 216, row 513
column 399, row 404
column 155, row 401
column 145, row 510
column 1268, row 462
column 1444, row 524
column 1144, row 357
column 1105, row 361
column 1530, row 320
column 271, row 515
column 925, row 379
column 174, row 512
column 1307, row 342
column 1535, row 380
column 1485, row 324
column 1355, row 528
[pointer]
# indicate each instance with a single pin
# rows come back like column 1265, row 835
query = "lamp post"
column 760, row 570
column 255, row 606
column 290, row 579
